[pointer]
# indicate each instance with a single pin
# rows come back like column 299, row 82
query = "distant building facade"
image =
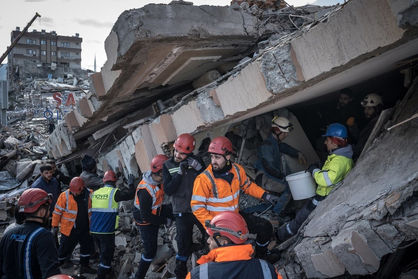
column 40, row 53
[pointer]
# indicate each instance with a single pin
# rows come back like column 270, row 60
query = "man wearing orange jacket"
column 149, row 212
column 230, row 255
column 217, row 190
column 72, row 212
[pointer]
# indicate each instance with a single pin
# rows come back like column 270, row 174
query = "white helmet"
column 282, row 123
column 372, row 100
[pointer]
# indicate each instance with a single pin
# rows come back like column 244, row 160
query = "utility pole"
column 18, row 38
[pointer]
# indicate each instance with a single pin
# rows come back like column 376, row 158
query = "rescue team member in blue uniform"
column 104, row 217
column 72, row 213
column 336, row 167
column 28, row 250
column 149, row 212
column 179, row 174
column 230, row 255
column 48, row 183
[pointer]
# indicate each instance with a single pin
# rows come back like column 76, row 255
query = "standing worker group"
column 179, row 174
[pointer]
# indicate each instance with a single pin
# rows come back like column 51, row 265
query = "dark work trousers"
column 291, row 228
column 263, row 229
column 184, row 227
column 149, row 235
column 68, row 243
column 106, row 248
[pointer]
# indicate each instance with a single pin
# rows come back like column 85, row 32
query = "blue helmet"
column 336, row 130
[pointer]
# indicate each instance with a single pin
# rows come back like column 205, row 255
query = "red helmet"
column 109, row 176
column 221, row 145
column 60, row 276
column 32, row 199
column 229, row 224
column 76, row 185
column 157, row 162
column 185, row 143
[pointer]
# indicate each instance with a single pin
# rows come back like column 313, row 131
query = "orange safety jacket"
column 65, row 212
column 232, row 261
column 157, row 194
column 212, row 195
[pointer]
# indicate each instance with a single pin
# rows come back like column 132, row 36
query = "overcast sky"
column 92, row 19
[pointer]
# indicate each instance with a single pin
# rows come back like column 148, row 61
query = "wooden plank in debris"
column 384, row 116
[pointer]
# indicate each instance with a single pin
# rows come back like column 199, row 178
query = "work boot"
column 181, row 269
column 87, row 269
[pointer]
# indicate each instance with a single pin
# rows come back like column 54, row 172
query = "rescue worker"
column 336, row 167
column 373, row 106
column 104, row 218
column 148, row 212
column 230, row 255
column 89, row 174
column 72, row 213
column 271, row 166
column 61, row 178
column 217, row 190
column 48, row 183
column 28, row 250
column 179, row 173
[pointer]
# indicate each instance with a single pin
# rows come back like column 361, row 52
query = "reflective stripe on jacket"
column 212, row 195
column 104, row 217
column 156, row 193
column 336, row 167
column 232, row 262
column 65, row 212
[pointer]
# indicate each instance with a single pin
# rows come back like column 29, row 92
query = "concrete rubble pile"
column 180, row 68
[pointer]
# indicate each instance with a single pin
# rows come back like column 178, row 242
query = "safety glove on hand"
column 131, row 179
column 183, row 167
column 270, row 198
column 311, row 168
column 194, row 163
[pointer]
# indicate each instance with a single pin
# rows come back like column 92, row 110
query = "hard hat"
column 372, row 100
column 158, row 162
column 336, row 130
column 282, row 123
column 229, row 224
column 76, row 185
column 32, row 199
column 60, row 276
column 221, row 145
column 88, row 163
column 185, row 143
column 109, row 176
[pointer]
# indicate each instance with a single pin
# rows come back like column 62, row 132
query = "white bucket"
column 302, row 185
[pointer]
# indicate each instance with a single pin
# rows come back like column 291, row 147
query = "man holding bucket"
column 338, row 164
column 271, row 168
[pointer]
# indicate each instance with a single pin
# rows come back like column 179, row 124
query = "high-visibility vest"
column 335, row 169
column 212, row 195
column 104, row 208
column 156, row 193
column 65, row 212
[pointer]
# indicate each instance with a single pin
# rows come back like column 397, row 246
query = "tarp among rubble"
column 7, row 182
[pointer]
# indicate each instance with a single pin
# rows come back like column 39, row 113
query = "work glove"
column 194, row 163
column 270, row 198
column 182, row 167
column 311, row 168
column 302, row 159
column 131, row 179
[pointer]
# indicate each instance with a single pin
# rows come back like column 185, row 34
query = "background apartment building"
column 41, row 53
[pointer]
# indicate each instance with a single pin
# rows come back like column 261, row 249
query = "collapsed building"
column 179, row 68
